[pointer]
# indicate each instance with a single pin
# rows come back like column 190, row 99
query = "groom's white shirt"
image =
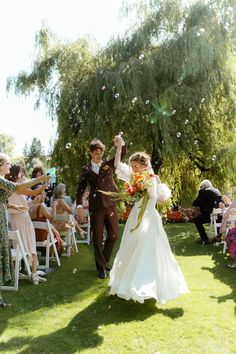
column 96, row 166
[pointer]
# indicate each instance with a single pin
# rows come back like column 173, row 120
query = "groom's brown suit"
column 102, row 208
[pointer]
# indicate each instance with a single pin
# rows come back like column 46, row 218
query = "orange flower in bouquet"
column 134, row 191
column 138, row 186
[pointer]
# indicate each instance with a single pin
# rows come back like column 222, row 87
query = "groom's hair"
column 96, row 144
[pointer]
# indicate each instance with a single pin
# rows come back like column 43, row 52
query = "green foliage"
column 34, row 156
column 7, row 144
column 169, row 85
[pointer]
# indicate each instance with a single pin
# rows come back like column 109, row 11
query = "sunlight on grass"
column 74, row 313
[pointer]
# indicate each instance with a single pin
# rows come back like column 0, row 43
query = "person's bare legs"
column 35, row 277
column 34, row 263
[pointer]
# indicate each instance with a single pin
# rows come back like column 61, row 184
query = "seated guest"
column 67, row 199
column 226, row 205
column 62, row 207
column 85, row 199
column 85, row 206
column 207, row 199
column 40, row 212
column 37, row 172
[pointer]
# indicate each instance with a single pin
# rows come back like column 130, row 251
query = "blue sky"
column 20, row 20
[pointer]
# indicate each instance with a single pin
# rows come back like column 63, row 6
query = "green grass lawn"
column 74, row 313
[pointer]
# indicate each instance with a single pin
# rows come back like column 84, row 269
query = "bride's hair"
column 141, row 157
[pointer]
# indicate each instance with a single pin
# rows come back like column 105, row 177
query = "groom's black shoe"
column 102, row 274
column 108, row 267
column 204, row 242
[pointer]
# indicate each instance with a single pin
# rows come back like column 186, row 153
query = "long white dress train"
column 144, row 266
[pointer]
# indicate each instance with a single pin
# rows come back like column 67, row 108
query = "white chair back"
column 68, row 233
column 214, row 223
column 50, row 241
column 18, row 254
column 86, row 227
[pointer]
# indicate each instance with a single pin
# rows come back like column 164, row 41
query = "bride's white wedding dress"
column 144, row 266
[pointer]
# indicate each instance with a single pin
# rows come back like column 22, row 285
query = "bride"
column 144, row 266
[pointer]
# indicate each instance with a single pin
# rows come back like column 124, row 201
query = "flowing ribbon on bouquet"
column 115, row 195
column 123, row 196
column 141, row 211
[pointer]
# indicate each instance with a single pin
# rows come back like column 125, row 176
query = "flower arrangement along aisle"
column 134, row 191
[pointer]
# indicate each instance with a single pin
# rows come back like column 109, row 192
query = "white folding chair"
column 18, row 254
column 68, row 233
column 214, row 223
column 50, row 241
column 230, row 223
column 86, row 227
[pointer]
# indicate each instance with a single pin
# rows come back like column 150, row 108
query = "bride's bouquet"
column 134, row 191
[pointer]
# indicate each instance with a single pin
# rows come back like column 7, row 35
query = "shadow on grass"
column 224, row 274
column 85, row 329
column 182, row 240
column 73, row 278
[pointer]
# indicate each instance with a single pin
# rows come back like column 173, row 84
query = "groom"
column 98, row 174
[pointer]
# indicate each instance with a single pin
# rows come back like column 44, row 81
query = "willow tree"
column 169, row 85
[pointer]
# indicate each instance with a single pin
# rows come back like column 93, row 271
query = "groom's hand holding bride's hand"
column 118, row 141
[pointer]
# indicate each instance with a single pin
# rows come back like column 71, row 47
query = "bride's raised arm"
column 118, row 142
column 123, row 171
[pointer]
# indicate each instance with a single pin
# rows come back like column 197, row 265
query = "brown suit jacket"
column 101, row 181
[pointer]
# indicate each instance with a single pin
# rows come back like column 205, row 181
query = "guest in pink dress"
column 20, row 220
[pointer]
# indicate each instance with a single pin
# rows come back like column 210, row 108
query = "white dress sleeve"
column 163, row 192
column 123, row 172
